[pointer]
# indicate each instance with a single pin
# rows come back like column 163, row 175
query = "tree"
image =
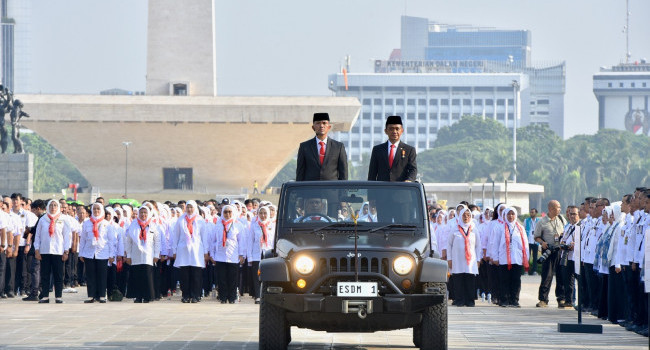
column 471, row 129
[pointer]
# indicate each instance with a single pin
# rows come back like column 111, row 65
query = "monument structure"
column 183, row 136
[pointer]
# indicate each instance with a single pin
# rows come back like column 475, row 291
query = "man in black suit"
column 321, row 158
column 393, row 160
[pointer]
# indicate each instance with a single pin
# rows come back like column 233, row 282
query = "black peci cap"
column 225, row 201
column 394, row 119
column 321, row 116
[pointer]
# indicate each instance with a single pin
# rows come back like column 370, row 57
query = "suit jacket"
column 335, row 164
column 404, row 164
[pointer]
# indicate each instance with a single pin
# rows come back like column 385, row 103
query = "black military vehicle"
column 352, row 256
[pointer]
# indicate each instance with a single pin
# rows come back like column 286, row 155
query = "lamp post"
column 506, row 174
column 515, row 87
column 126, row 165
column 483, row 179
column 471, row 196
column 493, row 177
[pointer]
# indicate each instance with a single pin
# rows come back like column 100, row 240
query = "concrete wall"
column 17, row 174
column 228, row 141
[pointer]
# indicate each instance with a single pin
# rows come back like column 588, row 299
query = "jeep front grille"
column 348, row 265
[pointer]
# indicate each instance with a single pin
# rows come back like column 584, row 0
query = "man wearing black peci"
column 321, row 158
column 393, row 160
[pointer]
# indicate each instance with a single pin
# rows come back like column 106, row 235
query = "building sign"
column 383, row 66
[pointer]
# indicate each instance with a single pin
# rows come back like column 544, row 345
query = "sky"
column 288, row 47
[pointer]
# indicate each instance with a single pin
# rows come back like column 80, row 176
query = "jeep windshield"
column 338, row 207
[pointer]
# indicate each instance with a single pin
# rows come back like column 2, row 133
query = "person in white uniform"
column 52, row 242
column 511, row 257
column 261, row 237
column 190, row 249
column 230, row 251
column 97, row 250
column 464, row 254
column 142, row 246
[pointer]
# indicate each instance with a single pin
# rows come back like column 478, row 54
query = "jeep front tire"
column 275, row 333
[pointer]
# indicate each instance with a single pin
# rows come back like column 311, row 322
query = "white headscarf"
column 101, row 209
column 193, row 204
column 512, row 224
column 460, row 219
column 58, row 207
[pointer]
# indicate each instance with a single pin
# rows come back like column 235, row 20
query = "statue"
column 5, row 107
column 17, row 114
column 15, row 110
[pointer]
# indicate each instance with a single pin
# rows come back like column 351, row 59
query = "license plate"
column 356, row 289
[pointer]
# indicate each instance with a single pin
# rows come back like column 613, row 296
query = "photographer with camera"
column 548, row 233
column 567, row 262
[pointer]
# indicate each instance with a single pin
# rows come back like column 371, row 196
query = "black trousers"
column 190, row 277
column 208, row 278
column 602, row 298
column 157, row 275
column 633, row 287
column 111, row 278
column 166, row 278
column 96, row 275
column 123, row 278
column 140, row 284
column 51, row 264
column 35, row 275
column 510, row 284
column 643, row 305
column 3, row 270
column 10, row 276
column 243, row 279
column 493, row 280
column 67, row 272
column 584, row 287
column 550, row 268
column 568, row 281
column 533, row 250
column 465, row 285
column 593, row 285
column 23, row 278
column 253, row 279
column 615, row 302
column 81, row 271
column 74, row 264
column 227, row 273
column 483, row 277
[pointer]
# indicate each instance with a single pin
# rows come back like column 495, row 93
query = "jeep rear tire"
column 433, row 329
column 275, row 333
column 417, row 335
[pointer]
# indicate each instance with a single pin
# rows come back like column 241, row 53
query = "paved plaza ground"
column 169, row 324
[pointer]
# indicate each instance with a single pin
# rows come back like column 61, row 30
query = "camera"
column 546, row 254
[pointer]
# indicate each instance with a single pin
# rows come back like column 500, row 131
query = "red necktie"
column 391, row 156
column 321, row 155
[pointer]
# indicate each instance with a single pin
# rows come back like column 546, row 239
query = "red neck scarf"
column 53, row 222
column 190, row 223
column 524, row 249
column 122, row 223
column 264, row 238
column 225, row 231
column 468, row 252
column 143, row 228
column 214, row 219
column 96, row 226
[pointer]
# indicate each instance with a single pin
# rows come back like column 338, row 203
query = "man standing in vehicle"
column 321, row 158
column 393, row 160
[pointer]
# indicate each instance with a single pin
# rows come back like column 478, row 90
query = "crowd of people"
column 599, row 244
column 145, row 253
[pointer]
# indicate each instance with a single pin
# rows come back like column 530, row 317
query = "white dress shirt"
column 60, row 241
column 142, row 252
column 456, row 251
column 517, row 245
column 102, row 247
column 235, row 244
column 255, row 247
column 190, row 249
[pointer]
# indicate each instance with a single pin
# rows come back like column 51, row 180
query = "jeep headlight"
column 402, row 265
column 304, row 265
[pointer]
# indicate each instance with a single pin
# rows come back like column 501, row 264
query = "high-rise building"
column 442, row 72
column 623, row 92
column 16, row 45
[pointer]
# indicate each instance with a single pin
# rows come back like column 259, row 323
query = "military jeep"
column 352, row 256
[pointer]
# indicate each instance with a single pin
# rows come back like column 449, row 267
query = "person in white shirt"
column 261, row 237
column 14, row 234
column 97, row 250
column 511, row 257
column 464, row 257
column 52, row 243
column 230, row 251
column 190, row 250
column 142, row 250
